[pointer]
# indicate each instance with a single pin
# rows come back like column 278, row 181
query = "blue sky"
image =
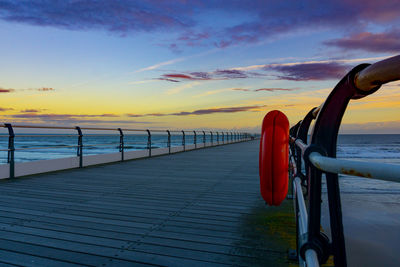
column 190, row 64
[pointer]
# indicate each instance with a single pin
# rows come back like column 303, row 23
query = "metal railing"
column 318, row 156
column 121, row 146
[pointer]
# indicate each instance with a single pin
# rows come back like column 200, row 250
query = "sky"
column 191, row 64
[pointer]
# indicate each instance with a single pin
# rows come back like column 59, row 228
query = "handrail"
column 377, row 74
column 89, row 128
column 379, row 171
column 319, row 155
column 120, row 146
column 311, row 256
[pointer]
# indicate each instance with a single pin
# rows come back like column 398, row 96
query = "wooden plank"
column 189, row 210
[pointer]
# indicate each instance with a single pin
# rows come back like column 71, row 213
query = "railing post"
column 223, row 138
column 183, row 140
column 211, row 138
column 231, row 136
column 149, row 141
column 11, row 149
column 204, row 138
column 79, row 151
column 217, row 138
column 227, row 137
column 195, row 139
column 169, row 142
column 121, row 143
column 324, row 137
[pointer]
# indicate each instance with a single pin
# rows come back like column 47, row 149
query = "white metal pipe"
column 373, row 170
column 311, row 258
column 303, row 218
column 301, row 145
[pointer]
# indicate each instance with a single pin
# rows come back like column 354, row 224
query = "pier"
column 195, row 208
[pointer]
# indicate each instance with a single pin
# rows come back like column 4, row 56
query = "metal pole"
column 223, row 138
column 217, row 138
column 204, row 138
column 121, row 143
column 79, row 151
column 169, row 142
column 211, row 138
column 195, row 139
column 183, row 140
column 311, row 256
column 11, row 149
column 149, row 141
column 372, row 170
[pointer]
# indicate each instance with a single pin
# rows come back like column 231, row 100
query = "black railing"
column 319, row 157
column 121, row 146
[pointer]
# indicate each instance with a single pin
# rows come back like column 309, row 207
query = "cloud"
column 204, row 111
column 191, row 38
column 309, row 71
column 275, row 18
column 227, row 74
column 45, row 89
column 213, row 92
column 2, row 90
column 113, row 16
column 31, row 116
column 295, row 71
column 5, row 109
column 161, row 64
column 339, row 61
column 219, row 110
column 33, row 113
column 259, row 20
column 12, row 90
column 179, row 76
column 275, row 89
column 30, row 110
column 240, row 89
column 371, row 42
column 182, row 87
column 231, row 74
column 141, row 82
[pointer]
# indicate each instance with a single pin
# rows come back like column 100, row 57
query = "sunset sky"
column 191, row 64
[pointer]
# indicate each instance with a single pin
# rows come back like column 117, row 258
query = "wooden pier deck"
column 198, row 208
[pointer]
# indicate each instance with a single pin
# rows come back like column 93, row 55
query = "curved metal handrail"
column 319, row 155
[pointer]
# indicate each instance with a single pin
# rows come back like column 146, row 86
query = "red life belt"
column 274, row 157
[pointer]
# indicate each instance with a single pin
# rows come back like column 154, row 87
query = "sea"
column 31, row 147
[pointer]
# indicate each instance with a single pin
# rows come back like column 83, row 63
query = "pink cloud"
column 240, row 89
column 309, row 71
column 274, row 89
column 179, row 76
column 372, row 42
column 203, row 111
column 2, row 90
column 45, row 89
column 30, row 110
